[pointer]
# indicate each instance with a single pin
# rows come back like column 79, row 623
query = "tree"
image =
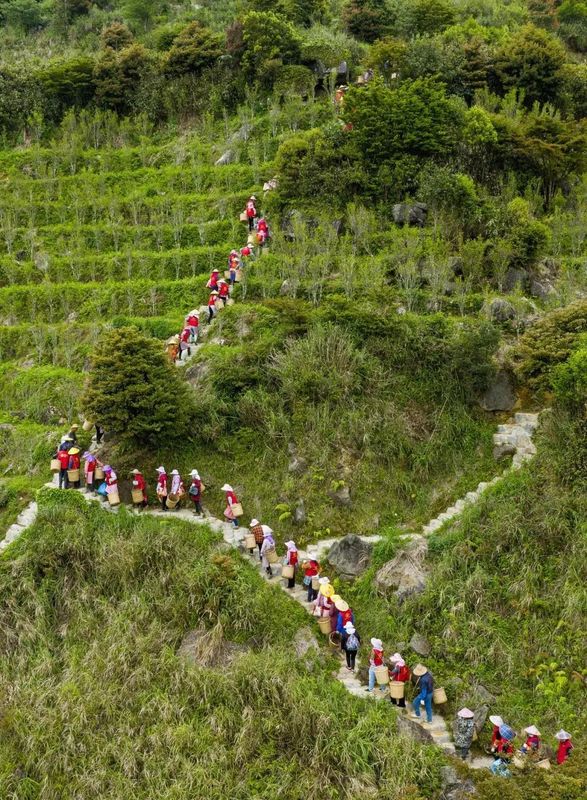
column 116, row 36
column 424, row 17
column 267, row 39
column 572, row 15
column 119, row 76
column 68, row 83
column 368, row 20
column 194, row 49
column 531, row 60
column 301, row 12
column 134, row 392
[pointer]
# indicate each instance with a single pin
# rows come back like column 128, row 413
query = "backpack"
column 352, row 643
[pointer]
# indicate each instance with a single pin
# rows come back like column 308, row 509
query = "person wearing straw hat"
column 195, row 492
column 464, row 728
column 311, row 571
column 223, row 290
column 336, row 598
column 192, row 321
column 161, row 487
column 268, row 544
column 344, row 615
column 111, row 480
column 350, row 644
column 231, row 501
column 532, row 743
column 375, row 660
column 212, row 305
column 213, row 279
column 251, row 211
column 564, row 746
column 399, row 672
column 504, row 751
column 257, row 531
column 177, row 487
column 90, row 463
column 497, row 722
column 74, row 463
column 72, row 433
column 184, row 344
column 140, row 484
column 425, row 686
column 62, row 455
column 291, row 560
column 323, row 603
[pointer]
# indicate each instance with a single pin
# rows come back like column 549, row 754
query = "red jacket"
column 212, row 300
column 403, row 674
column 505, row 747
column 262, row 226
column 63, row 458
column 192, row 321
column 377, row 657
column 213, row 282
column 245, row 251
column 564, row 751
column 138, row 482
column 292, row 557
column 312, row 569
column 74, row 462
column 162, row 484
column 231, row 498
column 495, row 736
column 251, row 210
column 223, row 290
column 532, row 742
column 185, row 335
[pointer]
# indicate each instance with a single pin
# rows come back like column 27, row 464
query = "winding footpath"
column 515, row 437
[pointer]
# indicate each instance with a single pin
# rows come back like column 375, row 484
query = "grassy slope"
column 95, row 702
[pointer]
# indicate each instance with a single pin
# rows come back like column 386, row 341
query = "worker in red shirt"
column 399, row 672
column 184, row 343
column 251, row 211
column 63, row 458
column 564, row 746
column 74, row 463
column 246, row 251
column 192, row 322
column 223, row 290
column 262, row 226
column 291, row 559
column 213, row 279
column 212, row 305
column 311, row 570
column 139, row 483
column 376, row 660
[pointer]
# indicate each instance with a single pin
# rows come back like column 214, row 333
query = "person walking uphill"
column 251, row 211
column 74, row 464
column 139, row 484
column 350, row 644
column 375, row 661
column 162, row 487
column 233, row 508
column 425, row 686
column 63, row 458
column 399, row 672
column 195, row 492
column 564, row 746
column 212, row 305
column 291, row 560
column 90, row 464
column 311, row 572
column 464, row 730
column 268, row 544
column 257, row 531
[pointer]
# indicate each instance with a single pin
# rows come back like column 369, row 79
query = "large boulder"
column 350, row 556
column 454, row 787
column 500, row 310
column 514, row 279
column 405, row 573
column 307, row 648
column 209, row 648
column 411, row 729
column 342, row 497
column 500, row 395
column 406, row 214
column 420, row 645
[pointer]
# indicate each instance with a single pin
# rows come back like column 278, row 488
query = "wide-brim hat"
column 215, row 270
column 290, row 544
column 87, row 454
column 226, row 488
column 336, row 598
column 194, row 473
column 532, row 730
column 420, row 670
column 253, row 523
column 174, row 472
column 466, row 713
column 349, row 625
column 506, row 732
column 341, row 605
column 222, row 280
column 323, row 580
column 495, row 719
column 74, row 451
column 74, row 427
column 160, row 469
column 396, row 657
column 267, row 531
column 107, row 468
column 562, row 735
column 377, row 644
column 213, row 291
column 135, row 472
column 327, row 590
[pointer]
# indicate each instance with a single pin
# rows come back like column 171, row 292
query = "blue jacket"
column 340, row 624
column 426, row 685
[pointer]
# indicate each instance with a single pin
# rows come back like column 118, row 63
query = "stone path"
column 514, row 439
column 516, row 436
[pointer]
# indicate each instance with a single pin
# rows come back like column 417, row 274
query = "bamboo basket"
column 55, row 465
column 250, row 541
column 334, row 640
column 172, row 500
column 73, row 475
column 397, row 689
column 439, row 696
column 316, row 583
column 137, row 495
column 519, row 762
column 87, row 426
column 218, row 305
column 287, row 571
column 382, row 675
column 237, row 509
column 113, row 498
column 544, row 763
column 271, row 556
column 243, row 216
column 98, row 474
column 324, row 625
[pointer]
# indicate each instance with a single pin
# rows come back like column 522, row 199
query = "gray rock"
column 500, row 310
column 209, row 648
column 196, row 373
column 227, row 157
column 350, row 556
column 305, row 642
column 406, row 214
column 342, row 497
column 405, row 573
column 284, row 288
column 411, row 729
column 297, row 465
column 500, row 395
column 484, row 695
column 420, row 645
column 541, row 288
column 448, row 777
column 300, row 515
column 515, row 278
column 503, row 450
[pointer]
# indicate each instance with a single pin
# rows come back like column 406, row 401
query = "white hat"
column 323, row 580
column 267, row 531
column 194, row 473
column 496, row 720
column 174, row 472
column 562, row 735
column 532, row 730
column 396, row 657
column 349, row 628
column 160, row 469
column 290, row 545
column 466, row 713
column 253, row 523
column 226, row 488
column 377, row 644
